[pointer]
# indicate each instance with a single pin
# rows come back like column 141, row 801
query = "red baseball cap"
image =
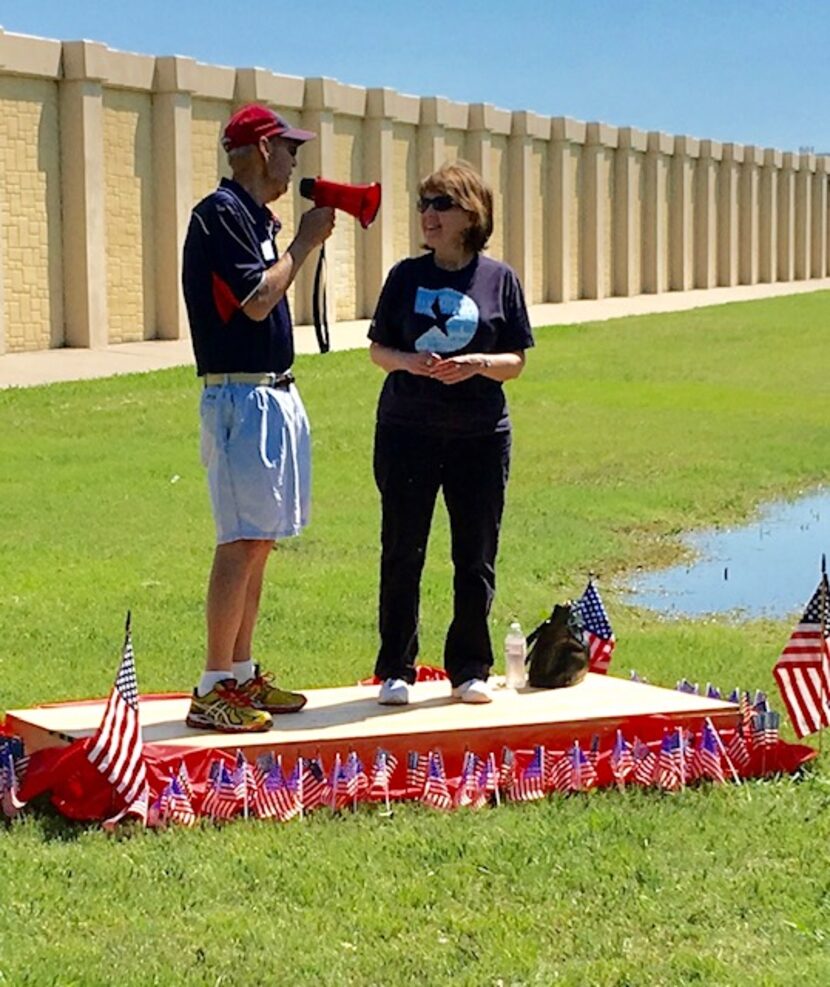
column 253, row 121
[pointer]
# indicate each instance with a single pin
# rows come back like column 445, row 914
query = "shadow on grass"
column 52, row 826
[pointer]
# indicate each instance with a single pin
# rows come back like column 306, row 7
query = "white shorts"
column 256, row 447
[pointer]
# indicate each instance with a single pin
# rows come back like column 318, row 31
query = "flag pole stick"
column 386, row 800
column 618, row 777
column 495, row 775
column 732, row 770
column 300, row 798
column 245, row 806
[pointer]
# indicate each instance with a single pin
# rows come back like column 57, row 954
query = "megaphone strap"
column 319, row 307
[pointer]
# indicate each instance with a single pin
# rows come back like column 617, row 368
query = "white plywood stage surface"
column 348, row 717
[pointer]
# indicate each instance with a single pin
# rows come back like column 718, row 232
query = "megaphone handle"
column 319, row 307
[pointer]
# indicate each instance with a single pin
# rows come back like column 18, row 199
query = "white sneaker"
column 473, row 691
column 394, row 692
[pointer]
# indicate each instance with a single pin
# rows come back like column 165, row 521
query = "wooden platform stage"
column 343, row 719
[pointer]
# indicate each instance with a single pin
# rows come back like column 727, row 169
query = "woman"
column 449, row 328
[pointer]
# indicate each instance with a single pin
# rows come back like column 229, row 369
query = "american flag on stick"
column 622, row 760
column 115, row 749
column 803, row 670
column 467, row 789
column 174, row 804
column 529, row 785
column 436, row 794
column 9, row 787
column 315, row 787
column 488, row 783
column 597, row 627
column 707, row 759
column 416, row 772
column 224, row 796
column 382, row 770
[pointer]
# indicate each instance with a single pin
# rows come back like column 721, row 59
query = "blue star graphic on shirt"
column 454, row 318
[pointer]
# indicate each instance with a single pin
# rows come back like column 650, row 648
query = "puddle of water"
column 767, row 568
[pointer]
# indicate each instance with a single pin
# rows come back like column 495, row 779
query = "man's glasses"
column 440, row 203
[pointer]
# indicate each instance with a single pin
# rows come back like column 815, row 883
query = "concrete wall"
column 103, row 154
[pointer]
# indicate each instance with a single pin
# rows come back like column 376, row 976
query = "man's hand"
column 315, row 227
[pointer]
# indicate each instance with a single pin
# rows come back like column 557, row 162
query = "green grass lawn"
column 626, row 434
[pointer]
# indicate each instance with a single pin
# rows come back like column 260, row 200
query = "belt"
column 255, row 380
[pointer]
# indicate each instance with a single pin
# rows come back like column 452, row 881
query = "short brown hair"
column 462, row 182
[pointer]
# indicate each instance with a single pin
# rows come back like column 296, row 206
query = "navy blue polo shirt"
column 229, row 246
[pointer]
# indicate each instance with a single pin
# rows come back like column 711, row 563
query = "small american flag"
column 467, row 789
column 583, row 772
column 803, row 670
column 115, row 749
column 529, row 784
column 339, row 785
column 645, row 762
column 691, row 688
column 358, row 780
column 622, row 759
column 183, row 779
column 507, row 771
column 267, row 805
column 244, row 779
column 436, row 794
column 9, row 790
column 286, row 796
column 765, row 729
column 316, row 789
column 737, row 749
column 416, row 772
column 573, row 772
column 382, row 770
column 707, row 759
column 174, row 805
column 222, row 800
column 488, row 783
column 598, row 633
column 667, row 773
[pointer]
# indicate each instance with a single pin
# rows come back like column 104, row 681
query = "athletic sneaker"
column 263, row 694
column 394, row 692
column 225, row 709
column 473, row 691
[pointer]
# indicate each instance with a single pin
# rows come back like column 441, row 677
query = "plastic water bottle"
column 515, row 650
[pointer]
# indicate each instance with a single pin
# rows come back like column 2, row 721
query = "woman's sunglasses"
column 440, row 203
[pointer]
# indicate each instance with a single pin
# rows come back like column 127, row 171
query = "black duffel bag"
column 557, row 654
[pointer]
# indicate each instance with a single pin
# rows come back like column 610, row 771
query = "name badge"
column 267, row 250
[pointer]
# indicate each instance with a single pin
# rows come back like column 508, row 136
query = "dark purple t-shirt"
column 423, row 308
column 229, row 246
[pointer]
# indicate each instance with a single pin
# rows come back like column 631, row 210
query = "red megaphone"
column 360, row 201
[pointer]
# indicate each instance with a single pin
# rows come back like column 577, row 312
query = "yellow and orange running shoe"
column 264, row 694
column 226, row 709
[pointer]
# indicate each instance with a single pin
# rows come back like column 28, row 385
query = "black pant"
column 410, row 467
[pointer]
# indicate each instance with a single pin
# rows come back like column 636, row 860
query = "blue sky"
column 750, row 71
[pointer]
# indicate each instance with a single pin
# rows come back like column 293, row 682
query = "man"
column 254, row 430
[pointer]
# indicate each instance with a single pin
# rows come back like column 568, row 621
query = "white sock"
column 209, row 680
column 243, row 670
